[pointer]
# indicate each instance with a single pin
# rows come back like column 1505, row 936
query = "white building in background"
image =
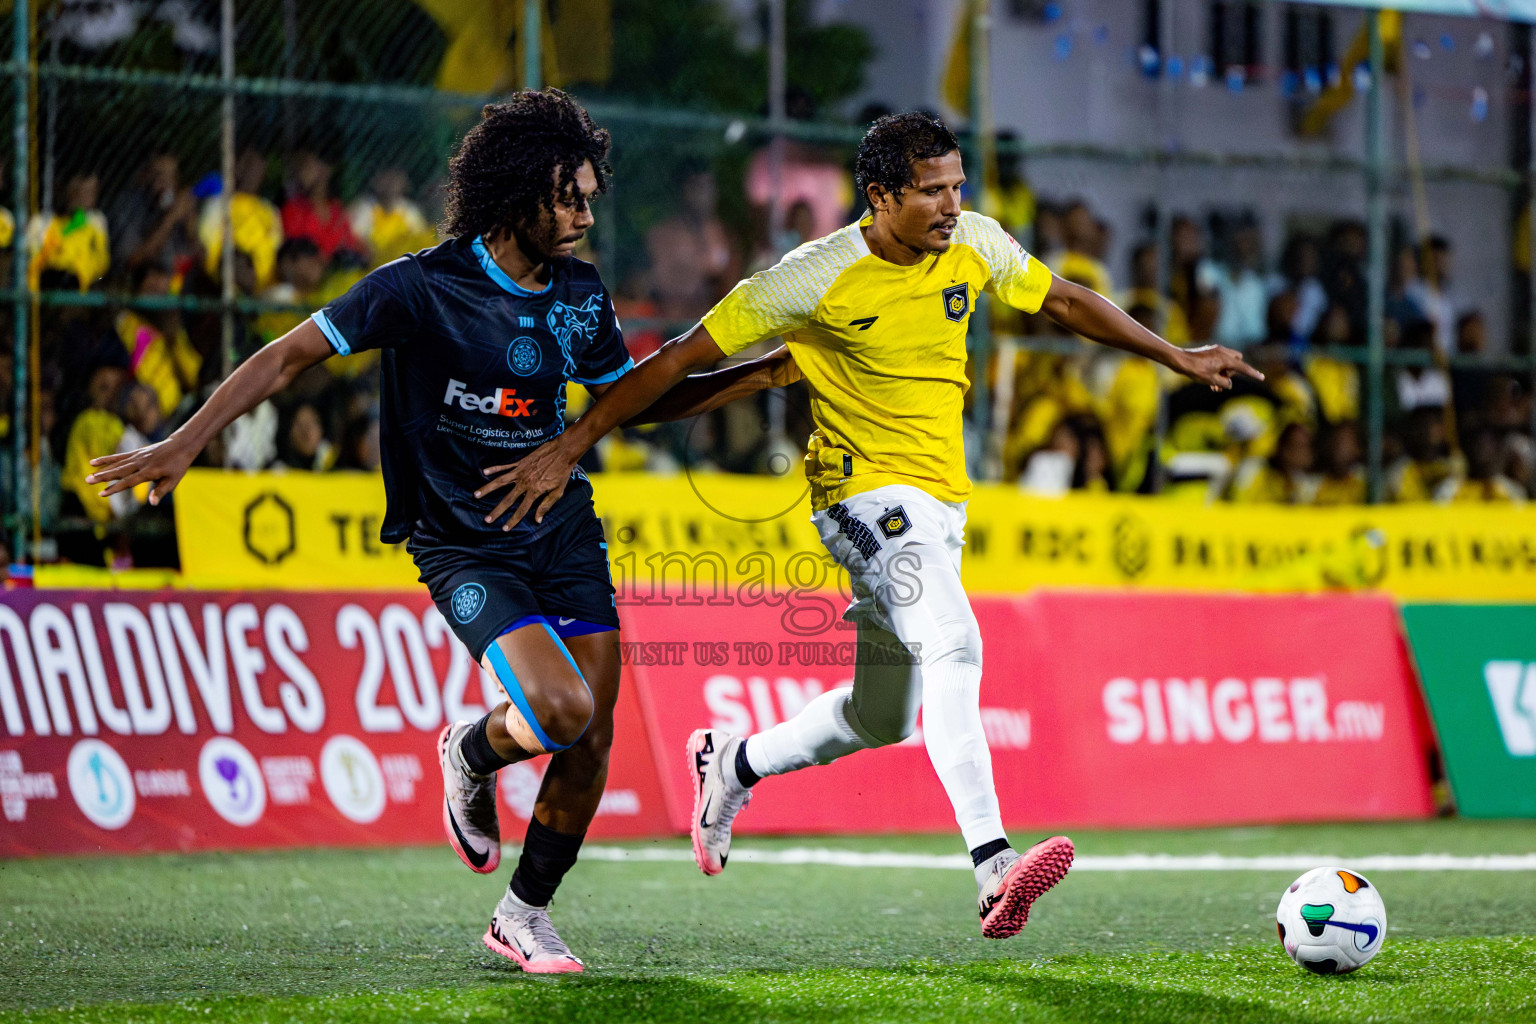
column 1077, row 78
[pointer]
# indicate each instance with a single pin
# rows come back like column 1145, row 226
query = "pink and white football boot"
column 469, row 805
column 526, row 936
column 1016, row 880
column 718, row 796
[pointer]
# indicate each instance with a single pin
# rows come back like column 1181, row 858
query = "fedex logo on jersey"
column 502, row 402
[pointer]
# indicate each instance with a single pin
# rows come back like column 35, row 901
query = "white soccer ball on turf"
column 1332, row 920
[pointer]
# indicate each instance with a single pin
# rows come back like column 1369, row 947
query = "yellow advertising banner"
column 288, row 531
column 306, row 531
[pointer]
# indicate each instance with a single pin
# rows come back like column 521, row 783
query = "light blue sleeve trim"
column 607, row 378
column 515, row 691
column 332, row 335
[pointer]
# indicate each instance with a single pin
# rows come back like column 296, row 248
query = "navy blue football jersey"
column 474, row 375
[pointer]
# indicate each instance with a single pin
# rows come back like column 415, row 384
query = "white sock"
column 957, row 746
column 510, row 904
column 819, row 734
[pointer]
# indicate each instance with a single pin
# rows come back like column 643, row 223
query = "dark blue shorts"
column 561, row 577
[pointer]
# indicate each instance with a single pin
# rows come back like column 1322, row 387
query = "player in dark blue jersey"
column 479, row 338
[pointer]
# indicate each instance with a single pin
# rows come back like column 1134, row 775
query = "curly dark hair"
column 501, row 175
column 891, row 145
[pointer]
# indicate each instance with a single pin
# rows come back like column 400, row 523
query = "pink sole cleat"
column 562, row 965
column 1005, row 910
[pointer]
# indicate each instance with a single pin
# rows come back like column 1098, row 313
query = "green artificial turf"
column 390, row 935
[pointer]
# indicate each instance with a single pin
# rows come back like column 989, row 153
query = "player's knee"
column 597, row 740
column 565, row 713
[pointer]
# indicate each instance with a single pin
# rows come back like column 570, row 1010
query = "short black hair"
column 503, row 172
column 892, row 143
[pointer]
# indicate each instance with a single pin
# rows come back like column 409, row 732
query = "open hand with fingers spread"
column 1214, row 365
column 161, row 465
column 536, row 483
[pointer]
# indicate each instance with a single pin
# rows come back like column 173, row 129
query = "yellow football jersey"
column 882, row 348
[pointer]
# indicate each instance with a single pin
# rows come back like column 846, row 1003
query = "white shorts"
column 901, row 547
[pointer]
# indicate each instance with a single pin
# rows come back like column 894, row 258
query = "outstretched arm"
column 257, row 379
column 537, row 481
column 704, row 392
column 1090, row 314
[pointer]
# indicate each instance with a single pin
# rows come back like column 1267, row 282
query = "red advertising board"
column 1100, row 708
column 186, row 720
column 182, row 721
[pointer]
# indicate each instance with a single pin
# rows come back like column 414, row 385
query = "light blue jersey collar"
column 500, row 276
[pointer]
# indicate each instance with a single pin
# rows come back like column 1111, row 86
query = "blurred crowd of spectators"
column 1090, row 419
column 114, row 375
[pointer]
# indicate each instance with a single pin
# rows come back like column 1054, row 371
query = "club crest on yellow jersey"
column 957, row 301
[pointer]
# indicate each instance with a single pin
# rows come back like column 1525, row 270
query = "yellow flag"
column 485, row 45
column 582, row 42
column 478, row 59
column 1337, row 96
column 957, row 72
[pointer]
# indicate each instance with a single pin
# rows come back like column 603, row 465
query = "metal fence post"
column 533, row 57
column 227, row 183
column 982, row 143
column 1376, row 279
column 20, row 55
column 777, row 112
column 778, row 57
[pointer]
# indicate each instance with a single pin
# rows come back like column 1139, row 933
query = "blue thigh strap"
column 515, row 689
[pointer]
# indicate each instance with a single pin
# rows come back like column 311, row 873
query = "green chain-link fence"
column 103, row 88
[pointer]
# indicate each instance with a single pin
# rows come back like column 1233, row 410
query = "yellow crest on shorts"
column 894, row 522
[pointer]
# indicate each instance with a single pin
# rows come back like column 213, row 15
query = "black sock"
column 744, row 773
column 547, row 856
column 478, row 754
column 986, row 851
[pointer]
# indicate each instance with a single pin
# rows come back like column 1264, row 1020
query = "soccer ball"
column 1331, row 920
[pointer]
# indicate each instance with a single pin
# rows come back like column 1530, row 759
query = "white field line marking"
column 1089, row 862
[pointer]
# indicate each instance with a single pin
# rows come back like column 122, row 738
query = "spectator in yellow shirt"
column 74, row 242
column 1079, row 262
column 1126, row 396
column 1011, row 201
column 258, row 225
column 160, row 355
column 1283, row 478
column 1335, row 382
column 1427, row 461
column 1343, row 479
column 1200, row 304
column 95, row 432
column 1483, row 481
column 1145, row 292
column 1289, row 388
column 388, row 222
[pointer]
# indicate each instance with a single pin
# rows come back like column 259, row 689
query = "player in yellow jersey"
column 874, row 317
